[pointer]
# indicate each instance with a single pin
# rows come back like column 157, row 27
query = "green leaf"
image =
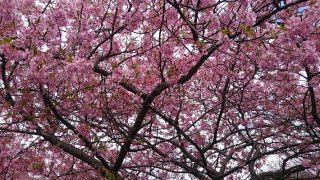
column 248, row 30
column 282, row 27
column 141, row 141
column 114, row 65
column 171, row 71
column 226, row 31
column 111, row 176
column 6, row 40
column 69, row 57
column 37, row 165
column 102, row 146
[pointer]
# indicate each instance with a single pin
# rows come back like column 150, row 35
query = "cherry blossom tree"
column 159, row 89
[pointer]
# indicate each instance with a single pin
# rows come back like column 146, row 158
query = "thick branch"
column 8, row 96
column 195, row 68
column 59, row 117
column 312, row 97
column 137, row 125
column 269, row 15
column 72, row 150
column 183, row 17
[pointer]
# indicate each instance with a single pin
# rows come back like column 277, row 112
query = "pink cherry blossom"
column 188, row 89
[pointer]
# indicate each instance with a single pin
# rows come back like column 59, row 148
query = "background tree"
column 159, row 89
